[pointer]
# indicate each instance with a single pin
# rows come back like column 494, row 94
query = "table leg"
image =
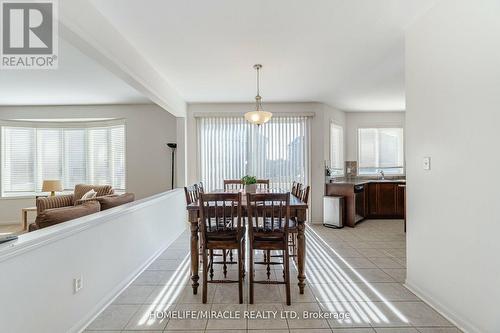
column 195, row 252
column 301, row 255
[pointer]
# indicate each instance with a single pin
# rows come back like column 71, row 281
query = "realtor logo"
column 29, row 35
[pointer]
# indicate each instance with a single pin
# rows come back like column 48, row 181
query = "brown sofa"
column 62, row 208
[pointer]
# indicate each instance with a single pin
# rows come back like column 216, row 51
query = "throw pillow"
column 89, row 195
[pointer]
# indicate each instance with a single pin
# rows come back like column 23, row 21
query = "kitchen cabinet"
column 385, row 200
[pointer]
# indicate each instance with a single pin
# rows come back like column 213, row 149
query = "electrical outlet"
column 77, row 284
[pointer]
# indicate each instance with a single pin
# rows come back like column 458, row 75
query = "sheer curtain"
column 230, row 147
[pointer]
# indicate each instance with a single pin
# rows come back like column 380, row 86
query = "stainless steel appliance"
column 359, row 202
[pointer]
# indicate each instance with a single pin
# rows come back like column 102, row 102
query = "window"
column 230, row 148
column 94, row 155
column 380, row 149
column 336, row 150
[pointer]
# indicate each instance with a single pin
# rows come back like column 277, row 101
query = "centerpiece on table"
column 250, row 183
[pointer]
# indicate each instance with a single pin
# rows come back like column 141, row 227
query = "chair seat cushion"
column 226, row 235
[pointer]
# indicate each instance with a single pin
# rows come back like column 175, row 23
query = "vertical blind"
column 230, row 148
column 337, row 149
column 94, row 155
column 380, row 149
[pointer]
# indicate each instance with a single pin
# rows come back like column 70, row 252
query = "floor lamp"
column 172, row 146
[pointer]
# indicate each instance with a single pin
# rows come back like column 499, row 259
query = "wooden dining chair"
column 233, row 184
column 192, row 193
column 221, row 228
column 303, row 193
column 268, row 219
column 263, row 184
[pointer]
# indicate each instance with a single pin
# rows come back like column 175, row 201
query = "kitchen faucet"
column 382, row 175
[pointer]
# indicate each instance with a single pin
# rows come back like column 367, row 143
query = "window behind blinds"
column 230, row 148
column 73, row 155
column 380, row 149
column 336, row 150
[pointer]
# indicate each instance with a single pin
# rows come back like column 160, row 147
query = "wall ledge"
column 33, row 240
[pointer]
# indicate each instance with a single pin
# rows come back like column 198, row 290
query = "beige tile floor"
column 359, row 271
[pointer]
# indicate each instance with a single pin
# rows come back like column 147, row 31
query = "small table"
column 24, row 213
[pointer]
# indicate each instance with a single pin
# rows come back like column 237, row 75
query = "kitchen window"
column 336, row 150
column 380, row 149
column 77, row 153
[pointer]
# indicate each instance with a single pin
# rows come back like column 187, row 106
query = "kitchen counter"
column 361, row 181
column 369, row 198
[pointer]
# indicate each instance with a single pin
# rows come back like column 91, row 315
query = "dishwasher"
column 359, row 203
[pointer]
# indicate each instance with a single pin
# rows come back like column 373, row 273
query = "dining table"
column 298, row 212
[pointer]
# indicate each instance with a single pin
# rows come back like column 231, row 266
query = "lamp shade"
column 258, row 117
column 51, row 186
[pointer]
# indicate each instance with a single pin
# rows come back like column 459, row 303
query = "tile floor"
column 358, row 271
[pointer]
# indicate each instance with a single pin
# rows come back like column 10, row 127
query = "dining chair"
column 268, row 219
column 192, row 193
column 303, row 194
column 296, row 187
column 233, row 184
column 221, row 229
column 263, row 184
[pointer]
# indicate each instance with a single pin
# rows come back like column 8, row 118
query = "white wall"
column 357, row 120
column 453, row 116
column 320, row 140
column 148, row 160
column 106, row 249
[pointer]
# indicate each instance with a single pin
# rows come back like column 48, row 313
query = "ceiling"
column 78, row 80
column 349, row 54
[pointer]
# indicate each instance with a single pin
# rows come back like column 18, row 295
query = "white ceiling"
column 349, row 54
column 78, row 80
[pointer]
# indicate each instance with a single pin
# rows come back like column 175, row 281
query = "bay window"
column 73, row 153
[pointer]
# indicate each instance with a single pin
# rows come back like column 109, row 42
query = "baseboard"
column 115, row 292
column 458, row 321
column 12, row 223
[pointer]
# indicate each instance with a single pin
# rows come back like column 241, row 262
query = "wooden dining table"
column 298, row 211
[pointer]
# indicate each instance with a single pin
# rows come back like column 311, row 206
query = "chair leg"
column 287, row 275
column 268, row 265
column 251, row 273
column 224, row 265
column 243, row 256
column 240, row 274
column 211, row 264
column 205, row 276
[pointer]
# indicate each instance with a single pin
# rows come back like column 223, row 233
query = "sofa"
column 62, row 208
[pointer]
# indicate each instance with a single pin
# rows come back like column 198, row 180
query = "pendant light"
column 259, row 116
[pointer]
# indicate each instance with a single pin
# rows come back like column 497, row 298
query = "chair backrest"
column 296, row 188
column 304, row 194
column 233, row 184
column 192, row 193
column 268, row 212
column 201, row 187
column 102, row 190
column 220, row 213
column 263, row 183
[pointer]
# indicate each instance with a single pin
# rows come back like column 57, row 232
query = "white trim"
column 32, row 241
column 459, row 321
column 63, row 124
column 241, row 114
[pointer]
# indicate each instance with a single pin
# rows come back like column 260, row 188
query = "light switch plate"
column 427, row 163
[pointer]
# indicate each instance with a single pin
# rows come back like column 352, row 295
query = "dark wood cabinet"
column 385, row 200
column 380, row 200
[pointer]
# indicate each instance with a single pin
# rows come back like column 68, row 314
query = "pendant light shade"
column 259, row 116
